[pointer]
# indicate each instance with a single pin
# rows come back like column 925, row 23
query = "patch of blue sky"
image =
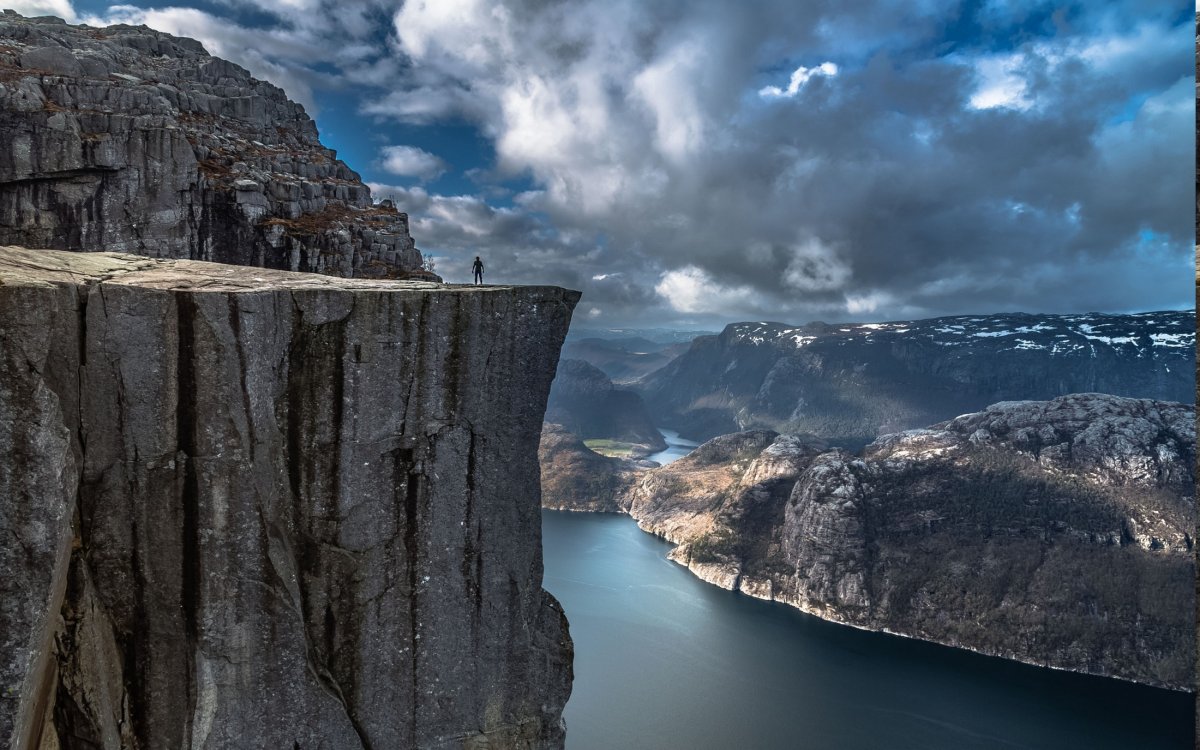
column 242, row 14
column 1129, row 111
column 467, row 152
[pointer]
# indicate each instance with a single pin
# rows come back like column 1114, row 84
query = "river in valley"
column 677, row 447
column 664, row 661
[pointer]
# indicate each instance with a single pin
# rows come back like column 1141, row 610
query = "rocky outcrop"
column 125, row 139
column 1055, row 532
column 584, row 401
column 852, row 383
column 576, row 478
column 272, row 510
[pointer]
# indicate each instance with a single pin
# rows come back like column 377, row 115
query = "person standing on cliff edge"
column 478, row 269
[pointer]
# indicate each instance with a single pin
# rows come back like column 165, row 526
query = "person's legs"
column 478, row 277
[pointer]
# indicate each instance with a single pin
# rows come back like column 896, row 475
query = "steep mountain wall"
column 852, row 383
column 272, row 510
column 585, row 401
column 124, row 139
column 1055, row 532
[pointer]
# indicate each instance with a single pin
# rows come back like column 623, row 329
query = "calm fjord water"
column 664, row 661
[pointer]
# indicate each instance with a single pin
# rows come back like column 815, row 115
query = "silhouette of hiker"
column 478, row 269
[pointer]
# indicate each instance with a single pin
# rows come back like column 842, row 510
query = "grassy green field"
column 613, row 448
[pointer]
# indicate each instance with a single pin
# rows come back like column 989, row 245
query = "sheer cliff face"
column 272, row 510
column 123, row 139
column 1057, row 532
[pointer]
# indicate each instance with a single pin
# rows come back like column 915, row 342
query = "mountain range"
column 850, row 383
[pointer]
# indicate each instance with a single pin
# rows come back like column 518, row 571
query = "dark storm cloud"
column 701, row 162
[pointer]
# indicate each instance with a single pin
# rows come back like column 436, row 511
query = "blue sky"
column 692, row 163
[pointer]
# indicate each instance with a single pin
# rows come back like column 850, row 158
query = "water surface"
column 677, row 447
column 664, row 661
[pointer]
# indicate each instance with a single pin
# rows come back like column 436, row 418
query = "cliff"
column 125, row 139
column 851, row 383
column 1054, row 532
column 266, row 509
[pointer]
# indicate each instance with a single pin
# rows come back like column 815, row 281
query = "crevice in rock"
column 65, row 174
column 185, row 426
column 412, row 496
column 472, row 563
column 235, row 325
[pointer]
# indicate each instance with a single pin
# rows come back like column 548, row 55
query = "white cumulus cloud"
column 693, row 290
column 1000, row 83
column 410, row 161
column 800, row 76
column 61, row 8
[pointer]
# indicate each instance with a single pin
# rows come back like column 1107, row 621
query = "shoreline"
column 736, row 589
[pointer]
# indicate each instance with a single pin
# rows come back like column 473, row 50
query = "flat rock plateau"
column 254, row 508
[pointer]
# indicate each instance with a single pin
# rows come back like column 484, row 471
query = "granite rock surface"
column 265, row 509
column 125, row 139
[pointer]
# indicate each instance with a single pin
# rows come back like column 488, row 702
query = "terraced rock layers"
column 124, row 139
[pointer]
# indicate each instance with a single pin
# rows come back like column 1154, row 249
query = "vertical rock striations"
column 125, row 139
column 272, row 510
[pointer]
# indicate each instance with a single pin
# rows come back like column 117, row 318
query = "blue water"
column 664, row 661
column 677, row 447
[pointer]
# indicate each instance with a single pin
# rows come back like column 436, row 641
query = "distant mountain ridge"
column 585, row 402
column 623, row 360
column 850, row 383
column 656, row 335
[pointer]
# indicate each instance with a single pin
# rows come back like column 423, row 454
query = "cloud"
column 645, row 126
column 410, row 161
column 815, row 267
column 694, row 290
column 866, row 304
column 61, row 8
column 665, row 87
column 954, row 158
column 1000, row 83
column 800, row 76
